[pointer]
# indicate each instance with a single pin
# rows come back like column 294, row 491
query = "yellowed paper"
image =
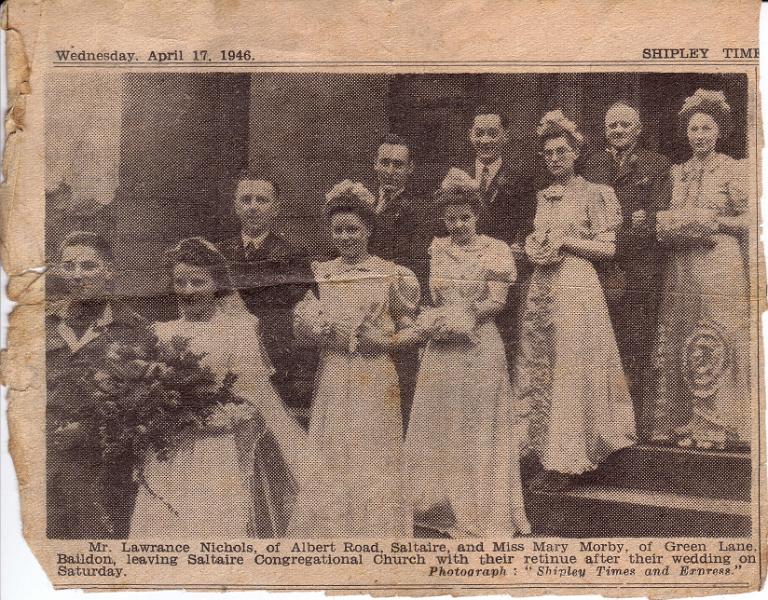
column 387, row 297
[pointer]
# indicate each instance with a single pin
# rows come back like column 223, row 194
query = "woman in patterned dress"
column 569, row 374
column 702, row 394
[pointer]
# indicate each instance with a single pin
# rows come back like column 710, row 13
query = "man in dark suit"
column 84, row 499
column 506, row 183
column 641, row 181
column 401, row 234
column 271, row 275
column 505, row 177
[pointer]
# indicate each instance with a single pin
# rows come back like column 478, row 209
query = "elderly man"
column 640, row 178
column 83, row 321
column 401, row 234
column 271, row 275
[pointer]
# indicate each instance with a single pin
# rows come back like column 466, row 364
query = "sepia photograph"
column 488, row 305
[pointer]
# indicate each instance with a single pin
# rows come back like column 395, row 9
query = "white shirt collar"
column 253, row 243
column 493, row 168
column 94, row 330
column 621, row 156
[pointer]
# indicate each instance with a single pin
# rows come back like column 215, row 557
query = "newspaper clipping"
column 386, row 296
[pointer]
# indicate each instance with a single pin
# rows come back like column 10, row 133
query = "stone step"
column 605, row 511
column 701, row 473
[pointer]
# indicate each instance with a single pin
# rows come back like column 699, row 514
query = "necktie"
column 386, row 196
column 484, row 178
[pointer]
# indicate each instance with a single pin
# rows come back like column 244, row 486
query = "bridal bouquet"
column 686, row 225
column 148, row 398
column 145, row 398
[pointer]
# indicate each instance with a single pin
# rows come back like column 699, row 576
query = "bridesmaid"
column 356, row 483
column 569, row 374
column 702, row 397
column 462, row 445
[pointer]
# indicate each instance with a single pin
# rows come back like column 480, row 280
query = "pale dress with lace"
column 205, row 487
column 462, row 443
column 569, row 374
column 356, row 476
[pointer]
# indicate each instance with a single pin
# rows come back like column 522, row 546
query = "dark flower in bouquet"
column 146, row 398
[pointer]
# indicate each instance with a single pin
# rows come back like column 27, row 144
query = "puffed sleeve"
column 500, row 264
column 737, row 184
column 604, row 212
column 405, row 293
column 500, row 271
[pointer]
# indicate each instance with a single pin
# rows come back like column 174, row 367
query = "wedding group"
column 496, row 322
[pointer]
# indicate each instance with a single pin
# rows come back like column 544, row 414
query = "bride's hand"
column 239, row 412
column 218, row 421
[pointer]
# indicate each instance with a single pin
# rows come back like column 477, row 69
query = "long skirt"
column 462, row 443
column 354, row 471
column 569, row 375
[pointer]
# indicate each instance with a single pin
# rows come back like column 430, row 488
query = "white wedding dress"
column 206, row 486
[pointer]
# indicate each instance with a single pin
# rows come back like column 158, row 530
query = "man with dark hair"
column 271, row 275
column 641, row 181
column 505, row 179
column 401, row 235
column 505, row 186
column 83, row 501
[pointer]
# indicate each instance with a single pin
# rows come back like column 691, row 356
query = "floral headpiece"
column 196, row 241
column 706, row 100
column 348, row 188
column 458, row 187
column 354, row 197
column 458, row 180
column 555, row 122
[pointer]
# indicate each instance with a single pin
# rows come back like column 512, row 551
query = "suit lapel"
column 490, row 195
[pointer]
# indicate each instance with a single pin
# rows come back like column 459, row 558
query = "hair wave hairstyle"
column 199, row 252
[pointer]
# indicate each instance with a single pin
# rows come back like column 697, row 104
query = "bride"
column 207, row 487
